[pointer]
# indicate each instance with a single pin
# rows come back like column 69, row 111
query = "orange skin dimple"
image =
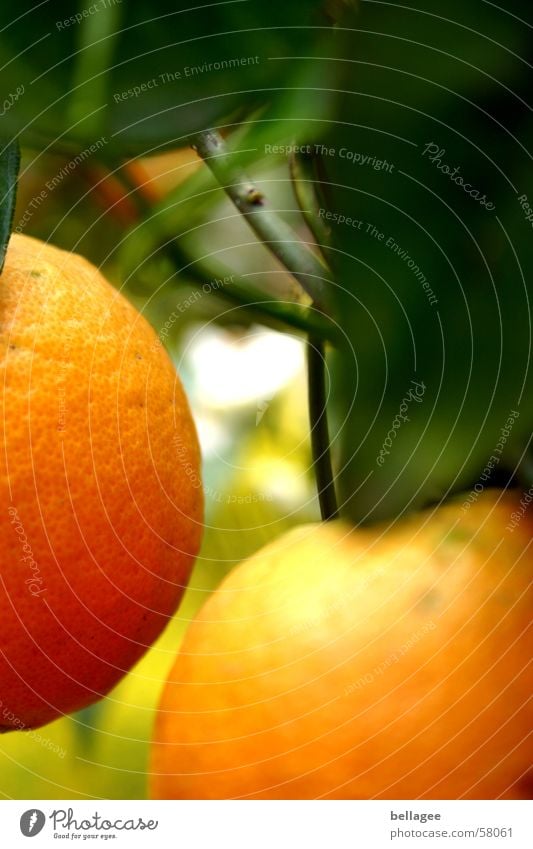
column 99, row 524
column 388, row 663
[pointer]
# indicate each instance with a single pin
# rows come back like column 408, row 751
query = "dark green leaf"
column 9, row 169
column 434, row 281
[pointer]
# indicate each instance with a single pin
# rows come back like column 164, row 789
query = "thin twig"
column 257, row 305
column 303, row 183
column 293, row 253
column 320, row 442
column 300, row 261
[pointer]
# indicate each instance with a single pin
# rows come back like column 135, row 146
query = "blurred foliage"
column 433, row 285
column 143, row 75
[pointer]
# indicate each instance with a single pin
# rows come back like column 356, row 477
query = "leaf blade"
column 9, row 169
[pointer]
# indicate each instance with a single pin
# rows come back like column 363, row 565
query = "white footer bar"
column 268, row 825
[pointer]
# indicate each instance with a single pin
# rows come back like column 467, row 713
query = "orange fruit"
column 159, row 174
column 101, row 503
column 387, row 662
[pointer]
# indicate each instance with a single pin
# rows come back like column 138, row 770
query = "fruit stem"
column 320, row 442
column 300, row 261
column 303, row 183
column 293, row 253
column 258, row 306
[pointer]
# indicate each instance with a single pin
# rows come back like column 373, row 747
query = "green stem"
column 303, row 182
column 320, row 442
column 306, row 268
column 258, row 306
column 296, row 316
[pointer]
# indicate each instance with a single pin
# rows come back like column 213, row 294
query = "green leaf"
column 9, row 169
column 434, row 276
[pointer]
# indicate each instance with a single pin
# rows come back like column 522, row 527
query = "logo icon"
column 262, row 407
column 32, row 822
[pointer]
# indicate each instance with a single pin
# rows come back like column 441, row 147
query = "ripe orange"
column 100, row 498
column 356, row 664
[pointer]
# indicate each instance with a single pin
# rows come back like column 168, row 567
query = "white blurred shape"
column 233, row 371
column 283, row 480
column 213, row 436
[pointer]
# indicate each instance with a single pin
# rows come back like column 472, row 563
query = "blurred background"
column 412, row 172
